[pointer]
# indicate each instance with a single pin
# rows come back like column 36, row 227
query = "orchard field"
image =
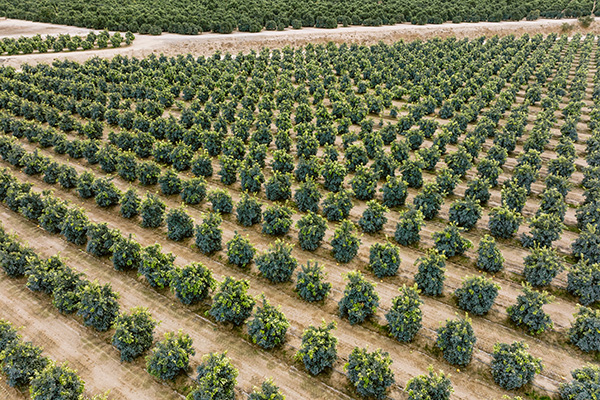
column 341, row 219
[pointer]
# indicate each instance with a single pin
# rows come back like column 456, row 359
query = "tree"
column 56, row 382
column 544, row 229
column 430, row 386
column 307, row 196
column 429, row 200
column 333, row 174
column 269, row 326
column 394, row 192
column 311, row 230
column 370, row 373
column 584, row 384
column 229, row 168
column 202, row 164
column 364, row 183
column 513, row 366
column 449, row 242
column 209, row 234
column 278, row 187
column 248, row 210
column 268, row 391
column 405, row 316
column 101, row 239
column 477, row 294
column 456, row 340
column 583, row 281
column 409, row 225
column 130, row 204
column 465, row 213
column 373, row 218
column 171, row 356
column 277, row 220
column 384, row 259
column 337, row 206
column 148, row 172
column 134, row 333
column 513, row 196
column 585, row 330
column 126, row 254
column 240, row 251
column 85, row 185
column 360, row 299
column 53, row 215
column 98, row 305
column 193, row 191
column 192, row 283
column 8, row 334
column 277, row 264
column 478, row 189
column 542, row 265
column 75, row 225
column 216, row 378
column 318, row 349
column 528, row 313
column 411, row 173
column 345, row 243
column 431, row 274
column 156, row 266
column 170, row 182
column 489, row 257
column 504, row 222
column 232, row 303
column 21, row 361
column 586, row 245
column 152, row 211
column 310, row 282
column 180, row 225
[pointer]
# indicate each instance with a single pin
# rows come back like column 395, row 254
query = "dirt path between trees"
column 207, row 43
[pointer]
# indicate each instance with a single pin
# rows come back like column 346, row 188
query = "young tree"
column 318, row 350
column 360, row 299
column 311, row 230
column 384, row 259
column 8, row 334
column 584, row 332
column 373, row 218
column 394, row 192
column 307, row 196
column 430, row 386
column 232, row 303
column 449, row 242
column 279, row 187
column 277, row 264
column 248, row 210
column 209, row 234
column 310, row 282
column 504, row 222
column 333, row 174
column 130, row 204
column 85, row 185
column 269, row 326
column 134, row 333
column 180, row 225
column 193, row 191
column 277, row 220
column 405, row 316
column 528, row 311
column 364, row 183
column 477, row 294
column 370, row 373
column 170, row 182
column 542, row 265
column 56, row 382
column 171, row 356
column 156, row 266
column 98, row 305
column 192, row 283
column 465, row 213
column 513, row 197
column 21, row 361
column 148, row 172
column 101, row 239
column 429, row 200
column 431, row 274
column 544, row 229
column 337, row 206
column 513, row 366
column 240, row 251
column 584, row 384
column 152, row 211
column 489, row 257
column 583, row 281
column 216, row 378
column 586, row 245
column 478, row 189
column 75, row 225
column 456, row 339
column 409, row 225
column 268, row 391
column 345, row 243
column 126, row 254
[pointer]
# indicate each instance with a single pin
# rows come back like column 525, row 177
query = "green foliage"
column 193, row 191
column 431, row 272
column 156, row 266
column 102, row 239
column 192, row 283
column 268, row 391
column 248, row 210
column 513, row 366
column 98, row 305
column 585, row 383
column 216, row 378
column 489, row 256
column 209, row 234
column 333, row 173
column 394, row 192
column 134, row 333
column 583, row 281
column 364, row 183
column 586, row 245
column 528, row 313
column 360, row 299
column 384, row 259
column 221, row 201
column 277, row 220
column 278, row 187
column 126, row 254
column 370, row 373
column 345, row 242
column 318, row 350
column 504, row 222
column 429, row 200
column 8, row 334
column 277, row 264
column 56, row 382
column 465, row 213
column 307, row 196
column 152, row 211
column 542, row 265
column 171, row 356
column 405, row 315
column 170, row 182
column 130, row 204
column 179, row 224
column 232, row 303
column 477, row 294
column 337, row 206
column 310, row 283
column 456, row 339
column 409, row 225
column 21, row 361
column 513, row 196
column 240, row 251
column 373, row 218
column 478, row 189
column 544, row 229
column 585, row 330
column 269, row 326
column 85, row 185
column 411, row 173
column 311, row 230
column 449, row 242
column 429, row 387
column 74, row 226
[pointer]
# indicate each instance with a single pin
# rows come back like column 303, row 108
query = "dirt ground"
column 207, row 43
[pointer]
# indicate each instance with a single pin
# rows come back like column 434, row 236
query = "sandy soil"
column 207, row 43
